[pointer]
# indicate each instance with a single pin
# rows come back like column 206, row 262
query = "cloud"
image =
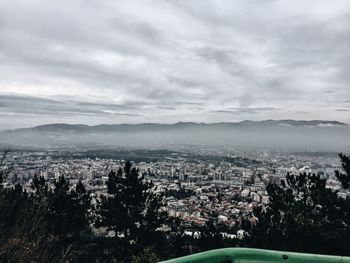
column 251, row 110
column 166, row 61
column 27, row 105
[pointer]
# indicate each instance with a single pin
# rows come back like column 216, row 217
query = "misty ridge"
column 285, row 135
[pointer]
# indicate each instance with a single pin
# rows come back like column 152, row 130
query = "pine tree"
column 5, row 167
column 39, row 186
column 344, row 178
column 305, row 216
column 81, row 206
column 210, row 237
column 61, row 209
column 131, row 209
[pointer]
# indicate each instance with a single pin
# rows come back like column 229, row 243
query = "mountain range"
column 57, row 127
column 273, row 134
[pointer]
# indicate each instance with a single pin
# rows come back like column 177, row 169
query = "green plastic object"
column 248, row 255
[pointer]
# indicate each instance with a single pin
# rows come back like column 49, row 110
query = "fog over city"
column 243, row 136
column 154, row 61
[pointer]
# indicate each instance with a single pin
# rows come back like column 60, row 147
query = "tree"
column 11, row 206
column 62, row 210
column 131, row 209
column 210, row 237
column 81, row 206
column 305, row 216
column 344, row 178
column 66, row 215
column 5, row 166
column 24, row 235
column 39, row 186
column 68, row 211
column 146, row 256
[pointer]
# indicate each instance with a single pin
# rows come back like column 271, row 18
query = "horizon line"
column 180, row 122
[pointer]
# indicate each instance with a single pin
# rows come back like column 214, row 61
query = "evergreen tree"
column 39, row 186
column 5, row 167
column 304, row 216
column 210, row 237
column 61, row 206
column 146, row 256
column 66, row 214
column 131, row 209
column 81, row 207
column 344, row 178
column 68, row 211
column 23, row 228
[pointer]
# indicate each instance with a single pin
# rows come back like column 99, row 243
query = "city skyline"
column 160, row 61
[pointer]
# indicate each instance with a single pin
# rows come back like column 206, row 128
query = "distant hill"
column 61, row 127
column 272, row 134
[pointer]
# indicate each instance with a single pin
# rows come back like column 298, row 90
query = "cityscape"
column 223, row 189
column 174, row 131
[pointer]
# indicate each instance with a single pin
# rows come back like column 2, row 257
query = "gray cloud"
column 40, row 106
column 167, row 61
column 252, row 110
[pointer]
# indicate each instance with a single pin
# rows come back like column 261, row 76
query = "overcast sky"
column 131, row 61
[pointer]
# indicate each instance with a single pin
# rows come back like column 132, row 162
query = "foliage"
column 43, row 225
column 146, row 256
column 305, row 216
column 53, row 222
column 132, row 210
column 344, row 178
column 68, row 209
